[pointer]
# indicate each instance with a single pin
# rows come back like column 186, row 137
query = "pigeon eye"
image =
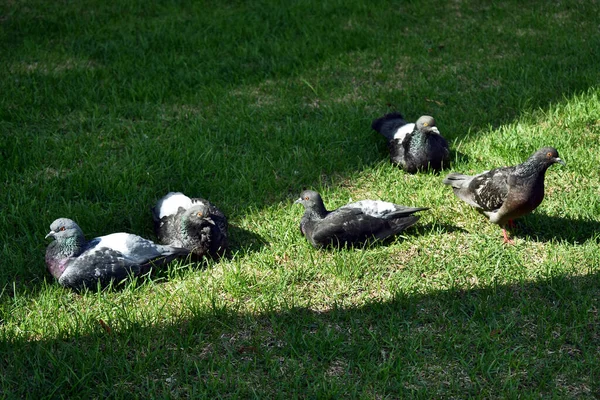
column 62, row 228
column 306, row 198
column 199, row 213
column 548, row 154
column 425, row 124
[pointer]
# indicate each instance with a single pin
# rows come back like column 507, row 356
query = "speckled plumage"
column 354, row 223
column 506, row 193
column 78, row 264
column 414, row 147
column 191, row 223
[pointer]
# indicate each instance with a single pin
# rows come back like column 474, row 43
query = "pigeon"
column 354, row 223
column 414, row 147
column 79, row 264
column 192, row 223
column 506, row 193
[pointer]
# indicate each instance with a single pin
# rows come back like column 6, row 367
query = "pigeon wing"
column 383, row 209
column 115, row 257
column 101, row 266
column 347, row 225
column 490, row 188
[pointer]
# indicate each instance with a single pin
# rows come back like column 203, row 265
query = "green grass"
column 106, row 107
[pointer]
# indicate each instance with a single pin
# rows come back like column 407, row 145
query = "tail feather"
column 388, row 124
column 456, row 180
column 398, row 226
column 405, row 212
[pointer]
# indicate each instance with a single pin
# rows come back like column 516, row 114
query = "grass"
column 106, row 107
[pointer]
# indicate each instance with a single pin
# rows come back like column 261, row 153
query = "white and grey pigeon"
column 414, row 147
column 192, row 223
column 506, row 193
column 354, row 223
column 78, row 263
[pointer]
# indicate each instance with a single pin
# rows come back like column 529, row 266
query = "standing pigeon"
column 78, row 264
column 194, row 224
column 353, row 223
column 506, row 193
column 414, row 147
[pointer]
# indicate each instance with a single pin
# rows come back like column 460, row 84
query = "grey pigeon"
column 354, row 223
column 414, row 147
column 79, row 264
column 506, row 193
column 192, row 223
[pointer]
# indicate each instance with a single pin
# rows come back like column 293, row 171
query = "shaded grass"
column 106, row 107
column 511, row 339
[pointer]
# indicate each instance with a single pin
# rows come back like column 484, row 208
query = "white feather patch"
column 374, row 208
column 169, row 204
column 403, row 131
column 115, row 241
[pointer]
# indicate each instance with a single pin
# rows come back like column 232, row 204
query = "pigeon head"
column 539, row 162
column 426, row 124
column 197, row 213
column 68, row 242
column 547, row 155
column 312, row 201
column 63, row 229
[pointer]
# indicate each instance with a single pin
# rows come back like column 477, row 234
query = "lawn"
column 107, row 106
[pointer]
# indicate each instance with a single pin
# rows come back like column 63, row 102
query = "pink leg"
column 506, row 238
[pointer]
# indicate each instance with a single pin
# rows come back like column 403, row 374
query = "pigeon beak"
column 559, row 160
column 51, row 233
column 435, row 130
column 298, row 201
column 210, row 221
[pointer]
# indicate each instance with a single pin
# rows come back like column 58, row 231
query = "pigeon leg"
column 506, row 238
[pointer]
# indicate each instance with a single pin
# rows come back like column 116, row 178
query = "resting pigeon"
column 191, row 223
column 414, row 147
column 506, row 193
column 353, row 223
column 78, row 264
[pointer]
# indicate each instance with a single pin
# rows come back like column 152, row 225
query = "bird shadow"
column 243, row 240
column 546, row 228
column 439, row 228
column 421, row 230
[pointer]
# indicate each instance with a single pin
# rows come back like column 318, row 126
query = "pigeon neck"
column 186, row 221
column 71, row 246
column 532, row 167
column 317, row 211
column 419, row 139
column 60, row 251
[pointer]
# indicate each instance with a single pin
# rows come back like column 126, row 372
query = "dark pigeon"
column 192, row 223
column 354, row 223
column 78, row 264
column 506, row 193
column 414, row 147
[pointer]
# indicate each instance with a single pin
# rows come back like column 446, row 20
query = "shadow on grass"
column 521, row 339
column 243, row 240
column 546, row 228
column 440, row 228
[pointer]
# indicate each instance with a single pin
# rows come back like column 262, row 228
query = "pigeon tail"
column 457, row 180
column 398, row 226
column 405, row 212
column 388, row 124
